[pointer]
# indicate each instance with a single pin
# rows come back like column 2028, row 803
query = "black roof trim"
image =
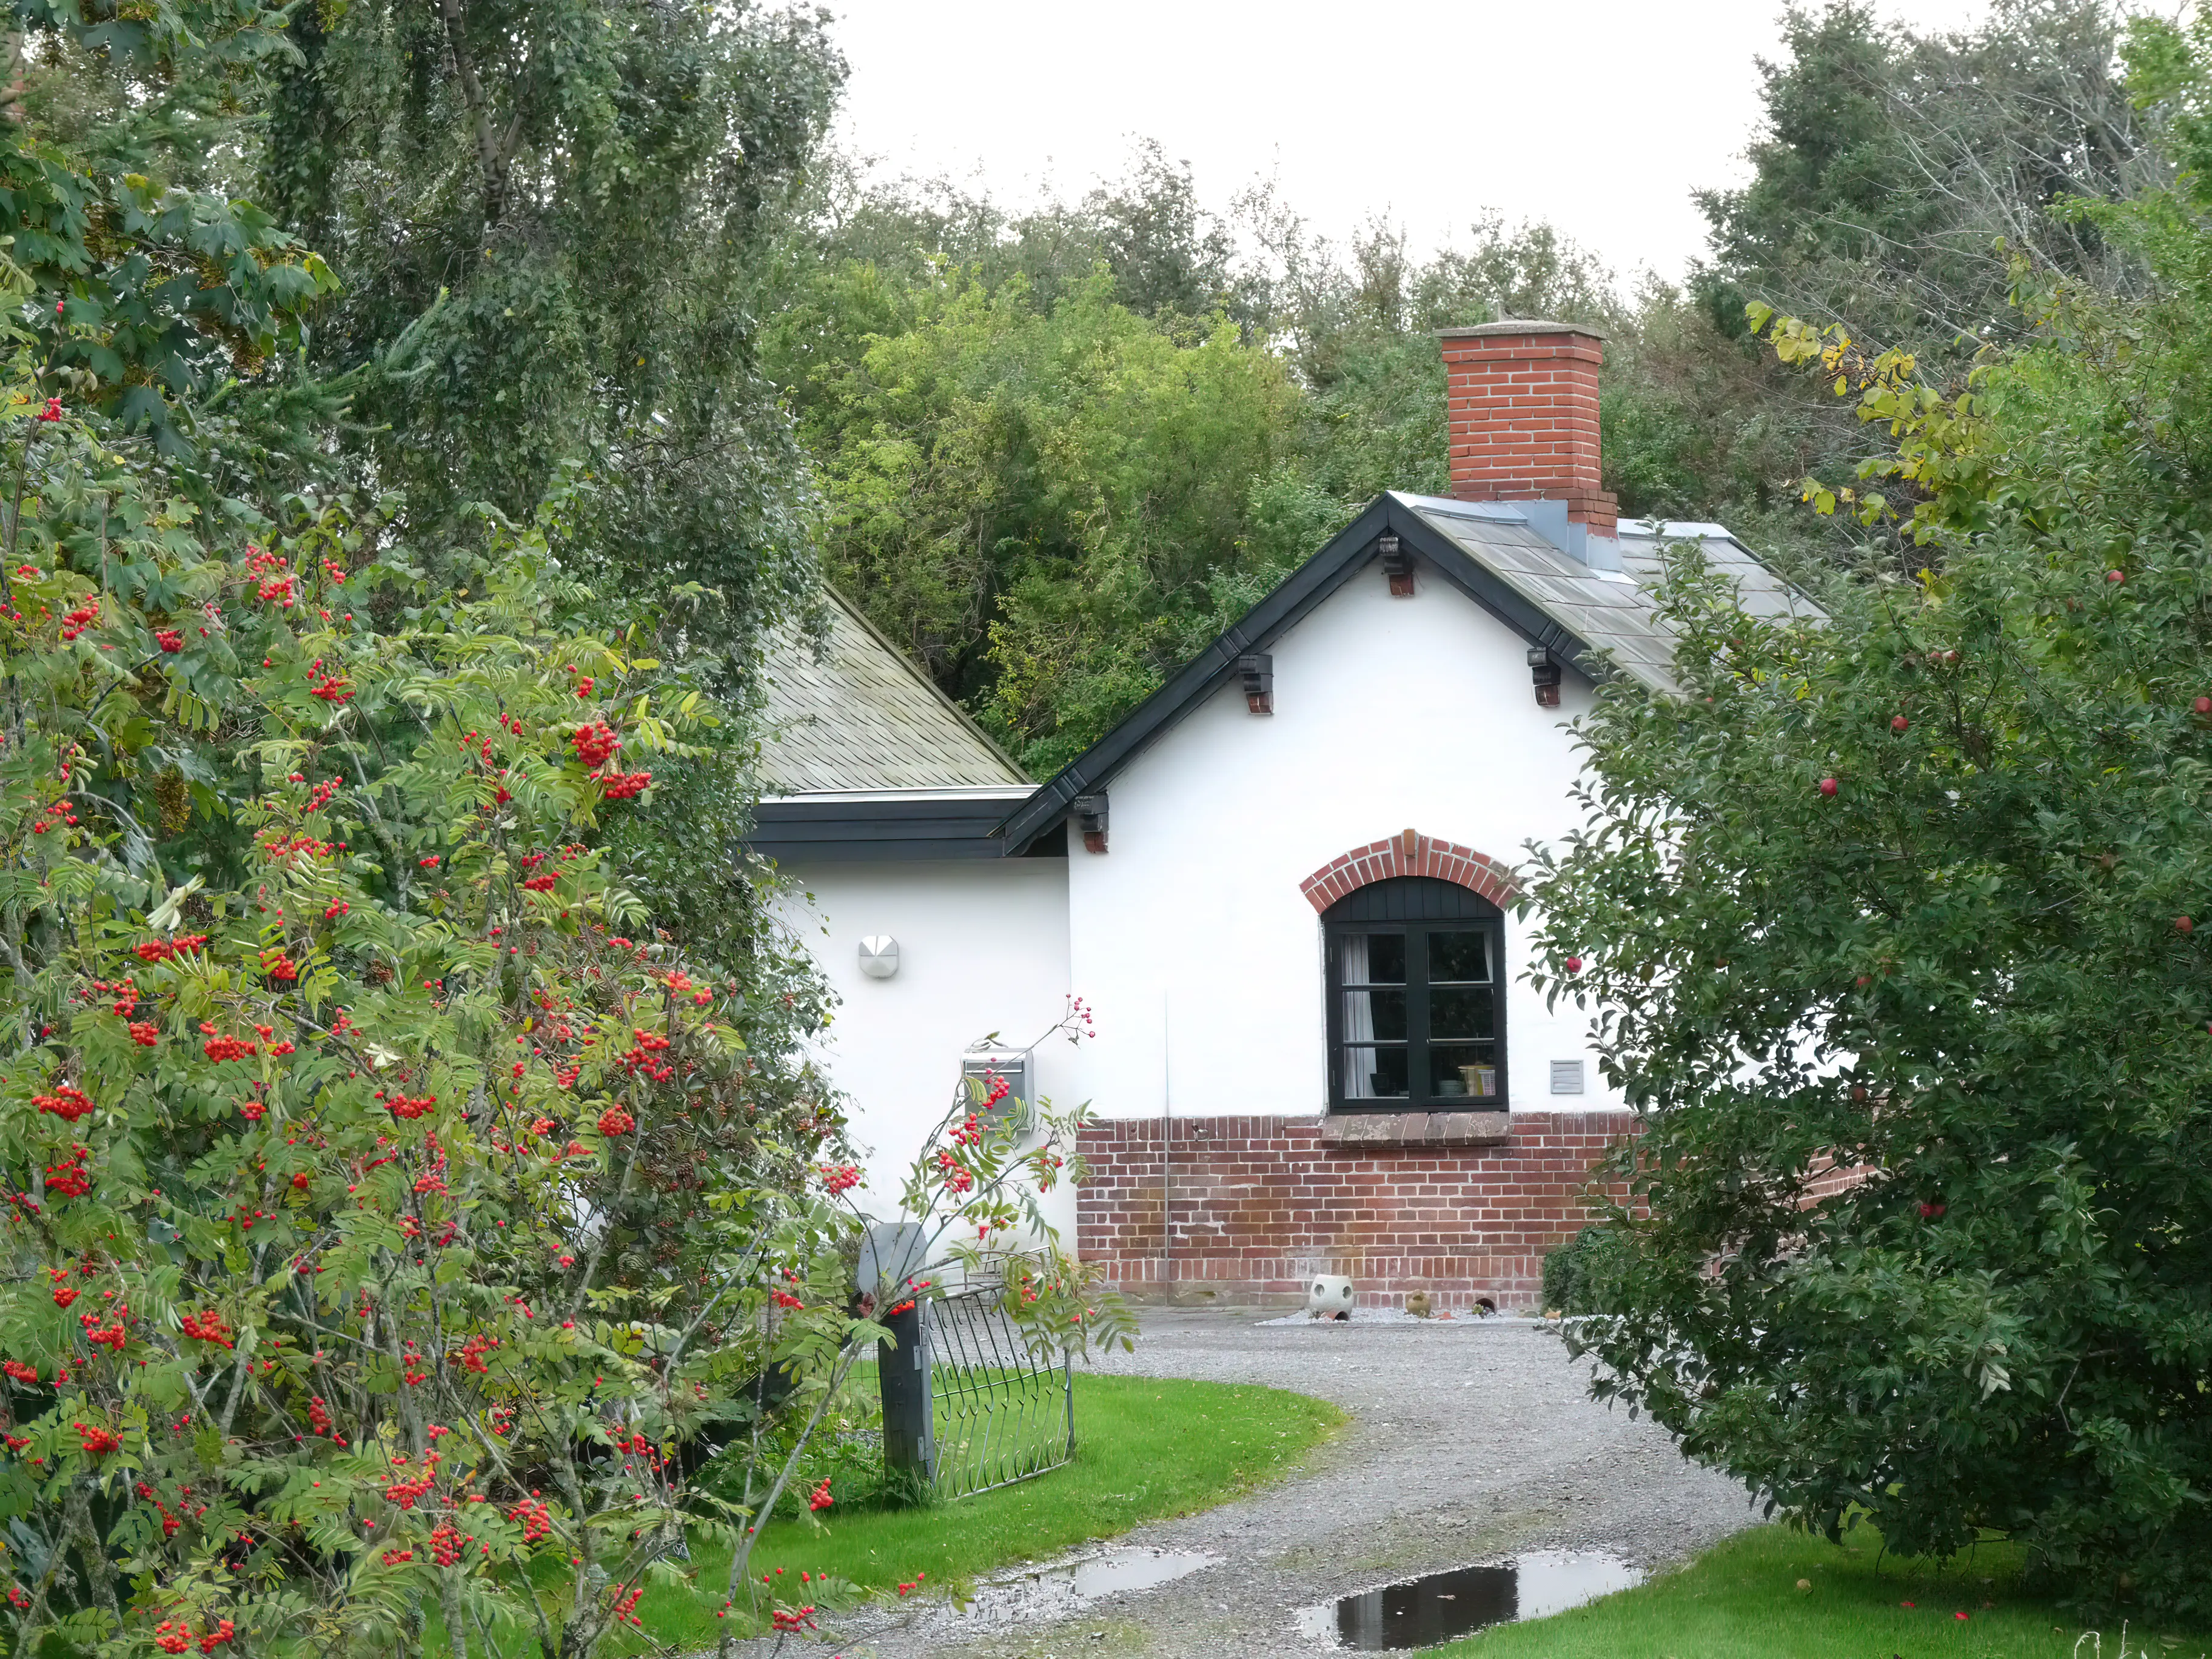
column 1298, row 594
column 830, row 828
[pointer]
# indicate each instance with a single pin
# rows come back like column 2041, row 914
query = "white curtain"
column 1358, row 1020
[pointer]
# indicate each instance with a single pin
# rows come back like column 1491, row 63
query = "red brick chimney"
column 1521, row 406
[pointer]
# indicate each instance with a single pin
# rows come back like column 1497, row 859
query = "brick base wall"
column 1260, row 1204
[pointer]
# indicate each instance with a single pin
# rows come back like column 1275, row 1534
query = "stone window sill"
column 1364, row 1129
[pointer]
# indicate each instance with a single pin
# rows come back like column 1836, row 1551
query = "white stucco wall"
column 982, row 948
column 1189, row 935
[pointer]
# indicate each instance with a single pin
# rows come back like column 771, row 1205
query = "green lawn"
column 1145, row 1449
column 1740, row 1600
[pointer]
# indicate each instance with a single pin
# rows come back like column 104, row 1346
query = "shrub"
column 1580, row 1276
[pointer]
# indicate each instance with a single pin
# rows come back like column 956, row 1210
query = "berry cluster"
column 208, row 1327
column 595, row 743
column 639, row 1059
column 273, row 581
column 166, row 949
column 67, row 1102
column 537, row 1520
column 224, row 1047
column 469, row 1356
column 69, row 1180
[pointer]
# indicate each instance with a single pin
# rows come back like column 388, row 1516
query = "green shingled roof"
column 859, row 716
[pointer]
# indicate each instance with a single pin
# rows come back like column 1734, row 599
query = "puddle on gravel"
column 1423, row 1612
column 1071, row 1586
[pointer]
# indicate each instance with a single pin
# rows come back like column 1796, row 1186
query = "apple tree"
column 1893, row 924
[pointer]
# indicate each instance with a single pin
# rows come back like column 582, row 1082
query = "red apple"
column 2183, row 924
column 2204, row 705
column 1828, row 785
column 1574, row 964
column 1899, row 723
column 2115, row 575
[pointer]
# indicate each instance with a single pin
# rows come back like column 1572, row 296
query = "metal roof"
column 1759, row 590
column 1611, row 612
column 860, row 717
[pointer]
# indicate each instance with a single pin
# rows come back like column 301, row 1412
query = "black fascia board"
column 876, row 850
column 1350, row 551
column 834, row 829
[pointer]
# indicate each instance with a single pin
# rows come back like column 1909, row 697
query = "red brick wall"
column 1259, row 1204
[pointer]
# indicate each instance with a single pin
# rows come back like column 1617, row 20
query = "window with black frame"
column 1416, row 998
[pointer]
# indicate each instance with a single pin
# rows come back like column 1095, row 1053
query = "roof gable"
column 1598, row 622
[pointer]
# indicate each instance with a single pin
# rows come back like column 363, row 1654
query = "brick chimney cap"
column 1511, row 326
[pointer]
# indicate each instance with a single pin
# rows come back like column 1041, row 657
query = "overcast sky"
column 1599, row 115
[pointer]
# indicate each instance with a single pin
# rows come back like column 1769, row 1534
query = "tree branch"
column 492, row 154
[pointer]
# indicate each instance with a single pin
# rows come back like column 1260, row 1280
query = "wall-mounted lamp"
column 1397, row 563
column 1258, row 673
column 1544, row 673
column 879, row 956
column 1091, row 820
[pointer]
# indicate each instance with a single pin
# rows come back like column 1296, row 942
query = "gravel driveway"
column 1468, row 1442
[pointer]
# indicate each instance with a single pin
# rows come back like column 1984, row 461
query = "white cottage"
column 1282, row 885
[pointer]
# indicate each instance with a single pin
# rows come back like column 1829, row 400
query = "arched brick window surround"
column 1409, row 852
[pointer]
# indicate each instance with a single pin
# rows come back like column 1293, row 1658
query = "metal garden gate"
column 967, row 1406
column 998, row 1414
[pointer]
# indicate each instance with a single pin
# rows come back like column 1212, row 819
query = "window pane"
column 1371, row 958
column 1463, row 1014
column 1461, row 957
column 1463, row 1070
column 1375, row 1074
column 1371, row 1014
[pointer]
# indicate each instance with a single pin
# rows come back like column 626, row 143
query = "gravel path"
column 1468, row 1442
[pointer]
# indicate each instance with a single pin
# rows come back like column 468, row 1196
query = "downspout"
column 1167, row 1125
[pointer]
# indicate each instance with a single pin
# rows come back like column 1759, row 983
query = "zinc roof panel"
column 1612, row 613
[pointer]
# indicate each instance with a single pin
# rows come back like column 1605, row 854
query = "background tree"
column 562, row 209
column 1898, row 174
column 1034, row 497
